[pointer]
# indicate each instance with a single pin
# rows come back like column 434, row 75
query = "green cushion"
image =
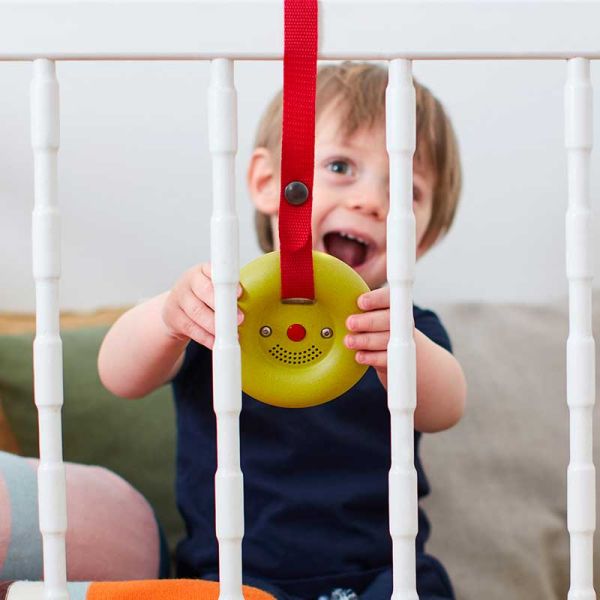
column 134, row 438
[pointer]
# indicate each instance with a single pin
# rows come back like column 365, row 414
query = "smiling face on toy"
column 296, row 334
column 293, row 355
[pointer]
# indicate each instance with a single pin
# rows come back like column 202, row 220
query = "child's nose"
column 373, row 201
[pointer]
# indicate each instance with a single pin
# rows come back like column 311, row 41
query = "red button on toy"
column 296, row 332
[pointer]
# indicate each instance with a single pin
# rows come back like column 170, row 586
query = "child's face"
column 350, row 196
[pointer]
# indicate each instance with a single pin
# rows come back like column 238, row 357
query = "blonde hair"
column 358, row 89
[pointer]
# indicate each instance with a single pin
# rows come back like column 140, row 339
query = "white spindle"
column 47, row 347
column 229, row 493
column 581, row 478
column 402, row 392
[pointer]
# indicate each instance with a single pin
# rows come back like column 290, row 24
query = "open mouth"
column 349, row 248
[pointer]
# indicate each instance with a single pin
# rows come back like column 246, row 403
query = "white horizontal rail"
column 253, row 29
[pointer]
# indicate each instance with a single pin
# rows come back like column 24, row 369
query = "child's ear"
column 263, row 181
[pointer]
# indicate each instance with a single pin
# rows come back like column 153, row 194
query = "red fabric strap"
column 298, row 146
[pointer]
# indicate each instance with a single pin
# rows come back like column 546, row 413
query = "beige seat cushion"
column 498, row 502
column 15, row 323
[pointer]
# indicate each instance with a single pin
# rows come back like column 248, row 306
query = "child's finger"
column 378, row 320
column 374, row 299
column 368, row 341
column 202, row 286
column 204, row 338
column 373, row 359
column 198, row 312
column 181, row 323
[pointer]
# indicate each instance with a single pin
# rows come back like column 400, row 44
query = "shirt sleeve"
column 428, row 323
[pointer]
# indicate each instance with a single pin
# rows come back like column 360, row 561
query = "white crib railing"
column 581, row 482
column 47, row 347
column 229, row 484
column 223, row 31
column 401, row 141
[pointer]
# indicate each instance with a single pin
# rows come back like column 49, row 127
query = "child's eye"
column 416, row 194
column 341, row 167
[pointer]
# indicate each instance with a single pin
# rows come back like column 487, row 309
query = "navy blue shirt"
column 315, row 481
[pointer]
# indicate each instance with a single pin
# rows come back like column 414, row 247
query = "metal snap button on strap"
column 296, row 193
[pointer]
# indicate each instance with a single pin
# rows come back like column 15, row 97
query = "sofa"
column 498, row 479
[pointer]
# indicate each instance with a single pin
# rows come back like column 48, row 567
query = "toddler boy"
column 315, row 479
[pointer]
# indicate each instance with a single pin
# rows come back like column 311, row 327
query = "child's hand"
column 188, row 311
column 370, row 331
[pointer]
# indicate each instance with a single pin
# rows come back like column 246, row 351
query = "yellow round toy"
column 293, row 355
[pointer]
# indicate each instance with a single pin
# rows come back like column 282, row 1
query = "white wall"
column 135, row 179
